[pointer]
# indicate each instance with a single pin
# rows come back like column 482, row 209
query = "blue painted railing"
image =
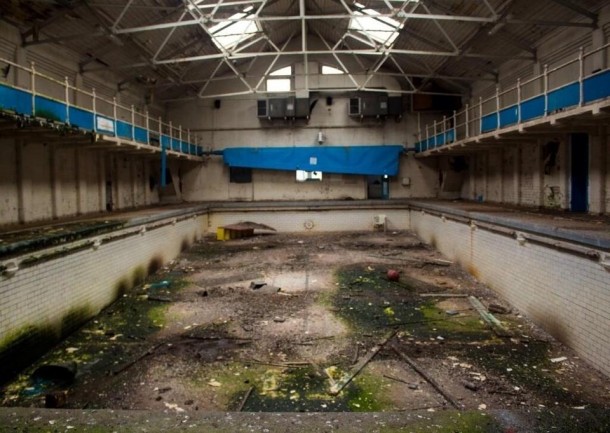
column 25, row 103
column 581, row 92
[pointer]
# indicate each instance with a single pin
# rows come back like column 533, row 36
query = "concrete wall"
column 48, row 180
column 538, row 172
column 235, row 124
column 564, row 293
column 45, row 299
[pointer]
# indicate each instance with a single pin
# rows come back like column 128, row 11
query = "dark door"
column 579, row 175
column 378, row 187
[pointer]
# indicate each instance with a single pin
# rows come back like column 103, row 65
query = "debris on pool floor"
column 311, row 323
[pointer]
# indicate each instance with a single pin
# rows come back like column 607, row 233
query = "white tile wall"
column 43, row 294
column 566, row 294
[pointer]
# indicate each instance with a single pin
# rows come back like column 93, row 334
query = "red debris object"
column 393, row 275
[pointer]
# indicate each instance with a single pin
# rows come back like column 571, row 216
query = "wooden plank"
column 489, row 318
column 427, row 377
column 345, row 380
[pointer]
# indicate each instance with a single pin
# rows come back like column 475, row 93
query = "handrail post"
column 160, row 133
column 180, row 137
column 133, row 123
column 581, row 77
column 434, row 136
column 454, row 125
column 147, row 128
column 33, row 85
column 546, row 89
column 444, row 133
column 467, row 120
column 188, row 140
column 419, row 136
column 116, row 120
column 480, row 114
column 497, row 107
column 94, row 109
column 67, row 98
column 171, row 136
column 427, row 137
column 518, row 100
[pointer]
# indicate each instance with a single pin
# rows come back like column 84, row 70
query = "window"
column 240, row 175
column 329, row 70
column 226, row 35
column 283, row 82
column 305, row 176
column 380, row 29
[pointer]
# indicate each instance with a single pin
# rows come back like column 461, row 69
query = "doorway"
column 378, row 187
column 579, row 172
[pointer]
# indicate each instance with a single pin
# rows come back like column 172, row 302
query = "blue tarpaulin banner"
column 366, row 160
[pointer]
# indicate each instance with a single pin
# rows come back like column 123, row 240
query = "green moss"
column 139, row 275
column 74, row 319
column 22, row 346
column 468, row 327
column 365, row 300
column 526, row 365
column 299, row 390
column 452, row 422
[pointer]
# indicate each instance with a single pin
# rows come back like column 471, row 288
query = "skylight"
column 381, row 29
column 226, row 35
column 329, row 70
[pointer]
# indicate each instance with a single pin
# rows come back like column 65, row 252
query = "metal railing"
column 537, row 97
column 86, row 110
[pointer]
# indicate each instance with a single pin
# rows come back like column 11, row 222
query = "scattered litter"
column 173, row 406
column 443, row 295
column 254, row 285
column 482, row 406
column 560, row 359
column 451, row 313
column 279, row 319
column 71, row 349
column 438, row 262
column 159, row 285
column 498, row 309
column 393, row 275
column 579, row 407
column 470, row 385
column 440, row 338
column 214, row 383
column 55, row 400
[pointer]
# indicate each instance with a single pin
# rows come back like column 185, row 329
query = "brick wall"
column 566, row 294
column 43, row 301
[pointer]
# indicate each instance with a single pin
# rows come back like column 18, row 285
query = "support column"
column 20, row 181
column 597, row 170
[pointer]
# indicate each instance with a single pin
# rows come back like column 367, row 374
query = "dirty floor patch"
column 314, row 323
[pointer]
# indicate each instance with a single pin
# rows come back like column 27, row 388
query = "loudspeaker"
column 217, row 103
column 329, row 100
